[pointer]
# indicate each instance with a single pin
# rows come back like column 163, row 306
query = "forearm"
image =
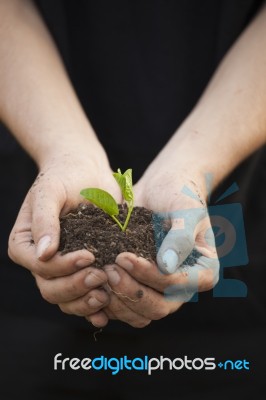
column 37, row 101
column 229, row 121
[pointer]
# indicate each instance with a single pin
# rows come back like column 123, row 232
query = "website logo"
column 146, row 364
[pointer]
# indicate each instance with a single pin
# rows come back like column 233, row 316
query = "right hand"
column 180, row 209
column 68, row 280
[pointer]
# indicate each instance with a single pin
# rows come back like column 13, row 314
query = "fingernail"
column 113, row 276
column 94, row 302
column 170, row 260
column 91, row 280
column 43, row 244
column 83, row 263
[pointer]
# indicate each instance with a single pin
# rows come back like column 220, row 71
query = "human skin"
column 225, row 127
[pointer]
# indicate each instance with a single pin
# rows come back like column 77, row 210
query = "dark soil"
column 88, row 227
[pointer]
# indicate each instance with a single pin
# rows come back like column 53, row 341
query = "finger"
column 143, row 271
column 139, row 298
column 20, row 235
column 117, row 310
column 180, row 239
column 99, row 319
column 23, row 252
column 47, row 200
column 71, row 287
column 86, row 305
column 203, row 273
column 148, row 273
column 200, row 275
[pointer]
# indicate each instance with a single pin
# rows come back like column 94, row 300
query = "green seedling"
column 107, row 203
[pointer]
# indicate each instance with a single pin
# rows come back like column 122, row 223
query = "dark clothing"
column 138, row 67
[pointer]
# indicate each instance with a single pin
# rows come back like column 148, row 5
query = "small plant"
column 107, row 203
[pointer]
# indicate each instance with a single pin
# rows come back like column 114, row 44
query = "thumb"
column 180, row 239
column 46, row 206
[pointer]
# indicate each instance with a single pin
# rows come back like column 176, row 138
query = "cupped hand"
column 67, row 280
column 187, row 261
column 182, row 224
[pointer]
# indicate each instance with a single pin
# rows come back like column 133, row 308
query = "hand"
column 181, row 207
column 136, row 289
column 67, row 280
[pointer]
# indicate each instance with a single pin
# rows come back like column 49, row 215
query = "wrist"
column 79, row 145
column 175, row 168
column 195, row 155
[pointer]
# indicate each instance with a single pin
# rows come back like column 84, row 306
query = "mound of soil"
column 88, row 227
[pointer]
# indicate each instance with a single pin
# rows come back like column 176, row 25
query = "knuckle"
column 209, row 280
column 188, row 237
column 116, row 310
column 10, row 253
column 39, row 219
column 160, row 312
column 140, row 323
column 176, row 306
column 216, row 267
column 216, row 279
column 41, row 269
column 98, row 275
column 100, row 295
column 71, row 287
column 46, row 294
column 65, row 309
column 184, row 235
column 80, row 310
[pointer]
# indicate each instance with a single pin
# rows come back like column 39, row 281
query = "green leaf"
column 101, row 199
column 119, row 179
column 125, row 183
